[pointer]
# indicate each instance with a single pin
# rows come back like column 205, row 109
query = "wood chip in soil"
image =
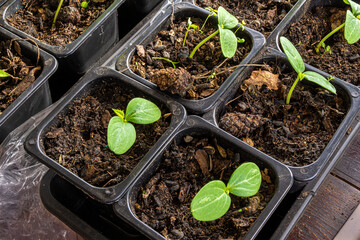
column 344, row 60
column 78, row 140
column 294, row 134
column 164, row 202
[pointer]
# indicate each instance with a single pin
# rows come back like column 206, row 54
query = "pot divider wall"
column 93, row 79
column 82, row 53
column 349, row 92
column 36, row 97
column 160, row 22
column 196, row 126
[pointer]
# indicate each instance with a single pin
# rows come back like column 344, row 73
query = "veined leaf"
column 352, row 28
column 245, row 180
column 121, row 135
column 226, row 20
column 293, row 55
column 228, row 42
column 355, row 7
column 319, row 80
column 211, row 202
column 142, row 111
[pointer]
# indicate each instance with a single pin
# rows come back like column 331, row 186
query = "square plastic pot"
column 82, row 53
column 350, row 93
column 161, row 21
column 36, row 97
column 90, row 81
column 197, row 126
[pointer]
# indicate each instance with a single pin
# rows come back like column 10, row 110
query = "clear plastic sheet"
column 22, row 214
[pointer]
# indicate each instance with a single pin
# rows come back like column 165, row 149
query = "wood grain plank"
column 348, row 167
column 328, row 211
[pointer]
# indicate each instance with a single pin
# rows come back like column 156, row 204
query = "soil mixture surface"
column 195, row 78
column 164, row 202
column 344, row 60
column 78, row 141
column 295, row 134
column 37, row 16
column 22, row 70
column 261, row 15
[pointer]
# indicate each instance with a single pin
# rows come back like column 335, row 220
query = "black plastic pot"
column 82, row 53
column 196, row 126
column 36, row 97
column 89, row 81
column 72, row 206
column 160, row 21
column 144, row 6
column 296, row 14
column 349, row 92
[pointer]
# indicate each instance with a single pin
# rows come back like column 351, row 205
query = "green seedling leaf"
column 319, row 80
column 4, row 74
column 352, row 28
column 211, row 202
column 121, row 135
column 119, row 113
column 293, row 55
column 245, row 180
column 84, row 4
column 142, row 111
column 346, row 1
column 355, row 7
column 226, row 20
column 228, row 42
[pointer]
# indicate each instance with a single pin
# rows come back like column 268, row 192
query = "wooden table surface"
column 336, row 199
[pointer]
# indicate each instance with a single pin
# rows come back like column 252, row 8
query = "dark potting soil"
column 295, row 134
column 78, row 141
column 164, row 202
column 37, row 16
column 193, row 78
column 344, row 60
column 22, row 70
column 261, row 15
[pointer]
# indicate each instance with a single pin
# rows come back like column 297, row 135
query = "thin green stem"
column 327, row 36
column 202, row 43
column 57, row 12
column 205, row 21
column 292, row 88
column 168, row 60
column 186, row 34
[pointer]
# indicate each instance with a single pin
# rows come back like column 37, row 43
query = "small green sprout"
column 298, row 64
column 211, row 12
column 190, row 25
column 121, row 134
column 57, row 13
column 84, row 4
column 4, row 74
column 351, row 24
column 213, row 200
column 228, row 40
column 167, row 60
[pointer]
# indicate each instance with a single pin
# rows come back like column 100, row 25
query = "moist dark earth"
column 78, row 140
column 37, row 16
column 164, row 201
column 195, row 78
column 260, row 15
column 344, row 60
column 295, row 134
column 23, row 73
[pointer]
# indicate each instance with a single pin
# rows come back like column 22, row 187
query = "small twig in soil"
column 28, row 40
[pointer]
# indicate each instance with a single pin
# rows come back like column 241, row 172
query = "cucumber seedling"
column 121, row 134
column 298, row 64
column 190, row 25
column 84, row 4
column 228, row 39
column 213, row 200
column 351, row 24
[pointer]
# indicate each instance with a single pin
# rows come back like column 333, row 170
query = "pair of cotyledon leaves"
column 121, row 134
column 352, row 22
column 297, row 63
column 213, row 200
column 228, row 40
